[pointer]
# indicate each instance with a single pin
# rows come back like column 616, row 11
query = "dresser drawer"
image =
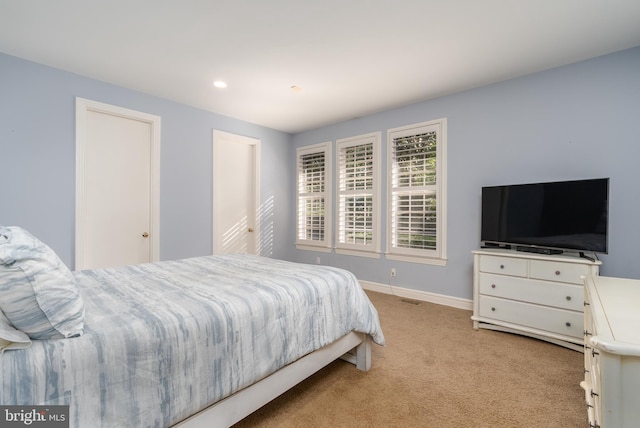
column 559, row 321
column 503, row 265
column 558, row 271
column 565, row 296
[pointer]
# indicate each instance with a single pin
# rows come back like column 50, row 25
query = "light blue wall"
column 572, row 122
column 576, row 121
column 37, row 161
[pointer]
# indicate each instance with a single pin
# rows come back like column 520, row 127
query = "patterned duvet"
column 164, row 340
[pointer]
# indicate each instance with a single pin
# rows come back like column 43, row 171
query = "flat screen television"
column 547, row 217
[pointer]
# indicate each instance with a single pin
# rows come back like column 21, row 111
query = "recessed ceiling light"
column 220, row 84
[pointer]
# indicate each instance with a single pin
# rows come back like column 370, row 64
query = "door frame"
column 83, row 107
column 255, row 145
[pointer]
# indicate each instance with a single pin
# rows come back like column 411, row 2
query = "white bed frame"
column 354, row 348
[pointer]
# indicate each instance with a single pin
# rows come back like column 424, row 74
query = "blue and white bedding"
column 164, row 340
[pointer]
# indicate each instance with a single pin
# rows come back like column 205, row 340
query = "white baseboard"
column 424, row 296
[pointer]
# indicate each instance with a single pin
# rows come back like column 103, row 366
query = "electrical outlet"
column 393, row 272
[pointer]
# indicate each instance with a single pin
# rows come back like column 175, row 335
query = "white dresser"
column 535, row 295
column 612, row 352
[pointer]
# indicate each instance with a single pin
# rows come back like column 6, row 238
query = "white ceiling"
column 349, row 57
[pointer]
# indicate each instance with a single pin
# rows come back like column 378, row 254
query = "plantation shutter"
column 356, row 210
column 414, row 192
column 312, row 195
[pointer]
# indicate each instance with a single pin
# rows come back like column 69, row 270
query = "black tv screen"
column 564, row 215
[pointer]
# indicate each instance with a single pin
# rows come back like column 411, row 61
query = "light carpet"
column 437, row 371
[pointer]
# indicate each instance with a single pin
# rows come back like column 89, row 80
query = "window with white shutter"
column 417, row 193
column 314, row 197
column 358, row 195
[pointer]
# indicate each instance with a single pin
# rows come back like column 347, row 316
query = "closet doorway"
column 236, row 193
column 117, row 186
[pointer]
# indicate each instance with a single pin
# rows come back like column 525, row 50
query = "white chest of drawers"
column 534, row 295
column 612, row 352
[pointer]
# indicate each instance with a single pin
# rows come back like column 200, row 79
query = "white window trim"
column 365, row 250
column 433, row 257
column 324, row 245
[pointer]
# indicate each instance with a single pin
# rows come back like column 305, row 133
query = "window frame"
column 323, row 245
column 437, row 256
column 373, row 248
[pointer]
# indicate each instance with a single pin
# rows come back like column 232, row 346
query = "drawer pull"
column 587, row 371
column 594, row 394
column 568, row 324
column 557, row 272
column 568, row 297
column 501, row 266
column 587, row 333
column 493, row 309
column 594, row 353
column 493, row 286
column 587, row 304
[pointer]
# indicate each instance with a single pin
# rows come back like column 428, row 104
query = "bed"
column 196, row 342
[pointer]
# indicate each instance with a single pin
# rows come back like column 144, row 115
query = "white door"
column 117, row 168
column 236, row 161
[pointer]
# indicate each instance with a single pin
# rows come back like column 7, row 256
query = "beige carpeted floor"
column 437, row 371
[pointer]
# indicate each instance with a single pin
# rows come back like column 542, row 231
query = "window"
column 417, row 193
column 358, row 195
column 314, row 197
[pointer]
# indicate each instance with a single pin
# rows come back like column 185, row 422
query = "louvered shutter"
column 358, row 194
column 416, row 191
column 313, row 166
column 355, row 224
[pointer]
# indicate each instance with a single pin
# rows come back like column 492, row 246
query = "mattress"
column 164, row 340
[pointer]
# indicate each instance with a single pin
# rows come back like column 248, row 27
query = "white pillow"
column 38, row 293
column 10, row 338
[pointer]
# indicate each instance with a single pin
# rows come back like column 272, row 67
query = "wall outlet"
column 393, row 272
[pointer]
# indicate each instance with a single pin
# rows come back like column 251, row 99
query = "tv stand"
column 535, row 295
column 584, row 256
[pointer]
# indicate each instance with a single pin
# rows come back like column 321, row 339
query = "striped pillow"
column 38, row 293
